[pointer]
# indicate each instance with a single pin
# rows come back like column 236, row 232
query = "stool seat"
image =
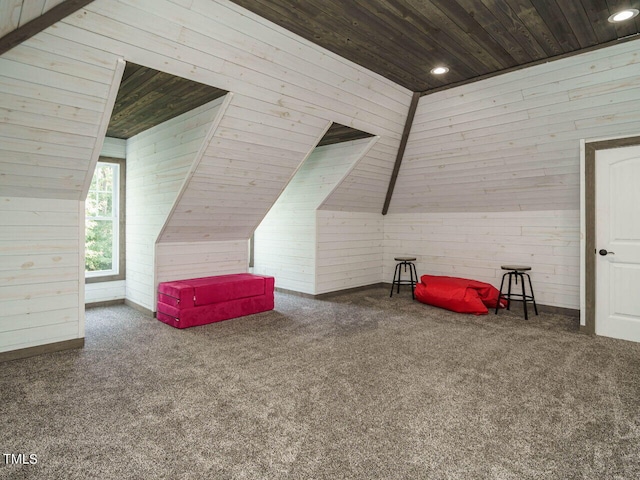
column 406, row 262
column 516, row 268
column 514, row 272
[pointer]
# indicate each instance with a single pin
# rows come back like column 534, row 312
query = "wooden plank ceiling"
column 148, row 97
column 340, row 133
column 403, row 40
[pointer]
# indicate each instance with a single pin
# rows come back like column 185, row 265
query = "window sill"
column 104, row 278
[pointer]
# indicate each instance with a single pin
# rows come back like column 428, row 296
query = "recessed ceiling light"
column 439, row 70
column 623, row 15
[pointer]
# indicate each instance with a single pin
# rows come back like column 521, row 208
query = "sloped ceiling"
column 403, row 40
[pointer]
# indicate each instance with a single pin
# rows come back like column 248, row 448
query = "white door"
column 618, row 243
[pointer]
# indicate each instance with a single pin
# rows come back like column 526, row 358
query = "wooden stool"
column 517, row 271
column 397, row 276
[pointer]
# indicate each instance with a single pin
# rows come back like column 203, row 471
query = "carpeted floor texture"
column 359, row 386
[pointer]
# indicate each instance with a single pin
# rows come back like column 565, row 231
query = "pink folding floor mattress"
column 198, row 301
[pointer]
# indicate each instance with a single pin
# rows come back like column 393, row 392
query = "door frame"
column 588, row 227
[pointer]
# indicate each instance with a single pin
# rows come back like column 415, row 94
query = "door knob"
column 603, row 252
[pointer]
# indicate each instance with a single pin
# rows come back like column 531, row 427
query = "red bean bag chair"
column 458, row 294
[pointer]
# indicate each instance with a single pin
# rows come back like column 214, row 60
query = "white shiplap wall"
column 55, row 102
column 178, row 261
column 104, row 291
column 114, row 148
column 512, row 142
column 229, row 192
column 158, row 161
column 350, row 250
column 285, row 241
column 365, row 188
column 40, row 283
column 475, row 245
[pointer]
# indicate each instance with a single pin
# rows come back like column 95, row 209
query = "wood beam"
column 38, row 24
column 401, row 148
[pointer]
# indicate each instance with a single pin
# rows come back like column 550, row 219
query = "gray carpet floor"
column 359, row 385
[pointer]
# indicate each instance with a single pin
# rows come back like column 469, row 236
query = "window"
column 103, row 236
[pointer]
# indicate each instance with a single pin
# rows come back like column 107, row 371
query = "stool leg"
column 395, row 274
column 533, row 298
column 405, row 271
column 400, row 275
column 414, row 279
column 524, row 295
column 500, row 294
column 509, row 291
